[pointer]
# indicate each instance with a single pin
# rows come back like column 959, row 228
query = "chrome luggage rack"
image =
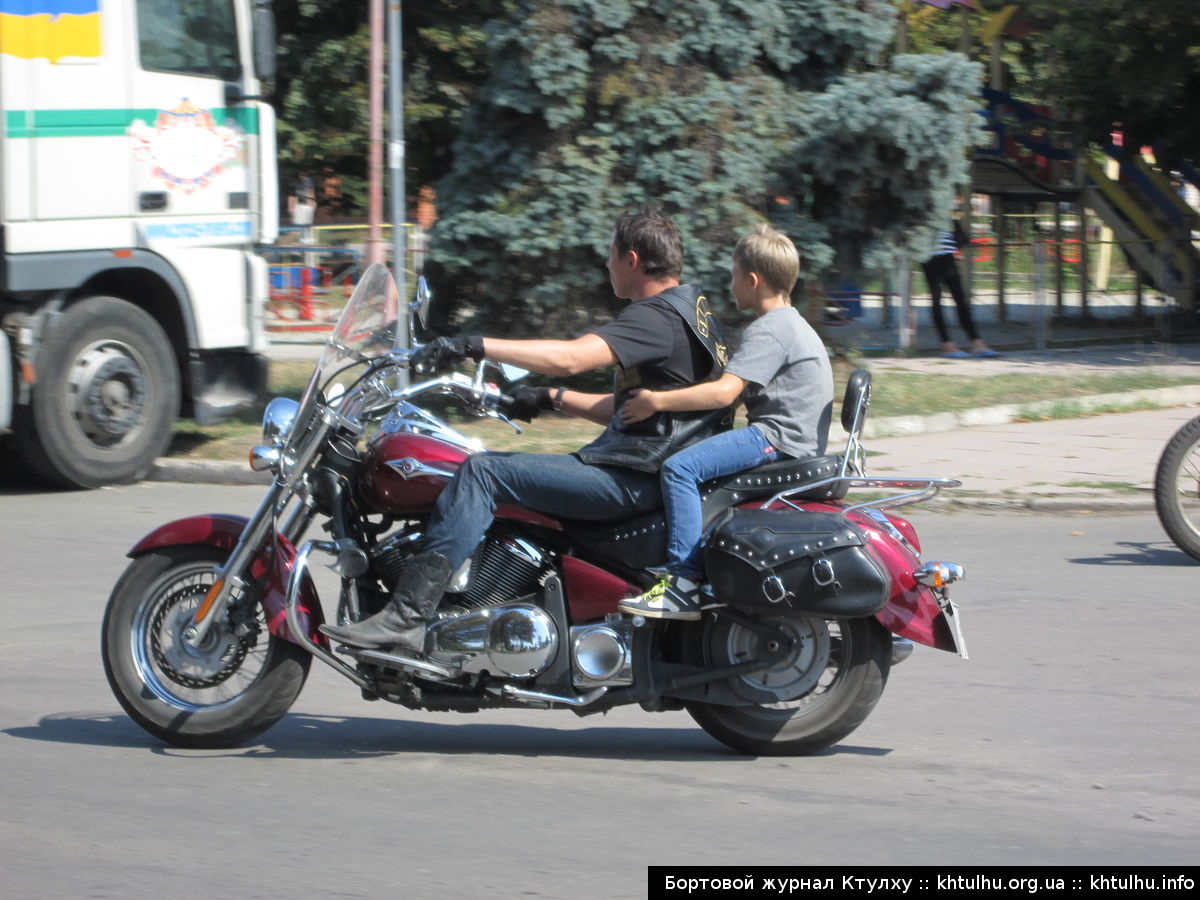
column 919, row 490
column 852, row 473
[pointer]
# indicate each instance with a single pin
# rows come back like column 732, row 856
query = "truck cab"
column 137, row 172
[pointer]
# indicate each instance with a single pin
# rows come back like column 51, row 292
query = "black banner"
column 890, row 882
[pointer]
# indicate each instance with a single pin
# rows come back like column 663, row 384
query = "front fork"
column 288, row 484
column 234, row 575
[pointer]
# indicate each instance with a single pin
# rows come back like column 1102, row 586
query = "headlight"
column 277, row 420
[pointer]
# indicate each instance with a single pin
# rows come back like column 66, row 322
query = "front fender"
column 270, row 569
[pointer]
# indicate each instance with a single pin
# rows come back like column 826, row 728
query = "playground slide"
column 1148, row 218
column 1152, row 224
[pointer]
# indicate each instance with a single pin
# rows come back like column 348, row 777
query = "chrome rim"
column 1186, row 495
column 805, row 677
column 107, row 392
column 206, row 677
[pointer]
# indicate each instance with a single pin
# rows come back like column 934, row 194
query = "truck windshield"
column 197, row 37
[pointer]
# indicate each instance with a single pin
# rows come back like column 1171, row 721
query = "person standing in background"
column 940, row 269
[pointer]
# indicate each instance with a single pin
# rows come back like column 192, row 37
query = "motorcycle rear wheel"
column 219, row 694
column 822, row 692
column 1177, row 488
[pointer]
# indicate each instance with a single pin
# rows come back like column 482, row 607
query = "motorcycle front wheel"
column 831, row 679
column 1177, row 488
column 238, row 682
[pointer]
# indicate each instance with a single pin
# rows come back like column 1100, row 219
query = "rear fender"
column 912, row 609
column 270, row 569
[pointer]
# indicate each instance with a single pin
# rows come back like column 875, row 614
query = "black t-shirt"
column 650, row 334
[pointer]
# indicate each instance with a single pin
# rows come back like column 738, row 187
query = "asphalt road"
column 1069, row 737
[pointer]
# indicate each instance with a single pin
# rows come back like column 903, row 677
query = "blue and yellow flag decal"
column 50, row 29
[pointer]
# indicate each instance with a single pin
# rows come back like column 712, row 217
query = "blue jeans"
column 682, row 474
column 551, row 483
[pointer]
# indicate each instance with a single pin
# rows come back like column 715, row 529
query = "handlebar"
column 375, row 391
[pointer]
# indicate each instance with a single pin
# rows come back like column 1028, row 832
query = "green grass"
column 894, row 394
column 1068, row 409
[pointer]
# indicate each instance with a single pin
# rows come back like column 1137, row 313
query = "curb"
column 1059, row 505
column 217, row 472
column 206, row 471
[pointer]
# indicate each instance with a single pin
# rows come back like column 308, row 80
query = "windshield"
column 366, row 330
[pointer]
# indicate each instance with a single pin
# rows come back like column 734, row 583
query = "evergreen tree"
column 722, row 113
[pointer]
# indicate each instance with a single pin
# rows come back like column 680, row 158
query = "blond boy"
column 782, row 373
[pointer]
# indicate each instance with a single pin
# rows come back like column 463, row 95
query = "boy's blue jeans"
column 682, row 475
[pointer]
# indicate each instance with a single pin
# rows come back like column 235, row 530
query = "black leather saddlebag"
column 804, row 562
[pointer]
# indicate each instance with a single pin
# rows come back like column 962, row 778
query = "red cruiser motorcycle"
column 210, row 632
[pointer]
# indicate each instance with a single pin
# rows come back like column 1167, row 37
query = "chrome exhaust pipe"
column 902, row 649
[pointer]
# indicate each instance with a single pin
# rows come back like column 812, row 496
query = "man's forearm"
column 548, row 357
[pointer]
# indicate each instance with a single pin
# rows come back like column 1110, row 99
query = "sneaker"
column 672, row 598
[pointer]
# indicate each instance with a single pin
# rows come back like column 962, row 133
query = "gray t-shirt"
column 790, row 394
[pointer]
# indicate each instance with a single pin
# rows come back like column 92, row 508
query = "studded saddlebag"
column 804, row 562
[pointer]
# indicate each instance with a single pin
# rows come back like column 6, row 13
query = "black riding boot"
column 401, row 624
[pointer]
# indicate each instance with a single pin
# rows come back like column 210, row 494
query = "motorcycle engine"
column 488, row 620
column 502, row 569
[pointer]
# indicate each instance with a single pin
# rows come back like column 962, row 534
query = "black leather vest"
column 644, row 445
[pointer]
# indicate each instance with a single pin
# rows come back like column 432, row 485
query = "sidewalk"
column 1092, row 462
column 1095, row 462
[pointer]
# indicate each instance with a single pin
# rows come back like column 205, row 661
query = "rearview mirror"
column 512, row 373
column 421, row 304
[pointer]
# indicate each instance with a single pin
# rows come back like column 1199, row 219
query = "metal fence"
column 313, row 271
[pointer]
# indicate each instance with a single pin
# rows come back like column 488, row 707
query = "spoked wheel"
column 826, row 685
column 238, row 682
column 1177, row 488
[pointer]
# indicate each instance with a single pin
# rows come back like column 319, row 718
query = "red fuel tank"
column 406, row 472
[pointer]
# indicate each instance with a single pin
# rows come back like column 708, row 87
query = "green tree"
column 321, row 90
column 1136, row 65
column 1099, row 63
column 321, row 94
column 723, row 113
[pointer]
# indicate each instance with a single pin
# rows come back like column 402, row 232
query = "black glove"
column 446, row 353
column 526, row 403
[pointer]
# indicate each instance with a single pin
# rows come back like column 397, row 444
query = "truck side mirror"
column 264, row 41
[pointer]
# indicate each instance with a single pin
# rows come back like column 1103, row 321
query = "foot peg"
column 395, row 661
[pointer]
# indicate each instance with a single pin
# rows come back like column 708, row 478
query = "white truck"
column 137, row 171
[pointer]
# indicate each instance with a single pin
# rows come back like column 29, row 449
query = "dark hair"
column 654, row 238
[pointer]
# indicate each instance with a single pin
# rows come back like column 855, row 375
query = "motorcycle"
column 210, row 632
column 1177, row 488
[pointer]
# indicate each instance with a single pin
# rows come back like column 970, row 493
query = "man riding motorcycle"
column 665, row 338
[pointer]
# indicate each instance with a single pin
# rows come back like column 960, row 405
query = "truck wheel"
column 106, row 396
